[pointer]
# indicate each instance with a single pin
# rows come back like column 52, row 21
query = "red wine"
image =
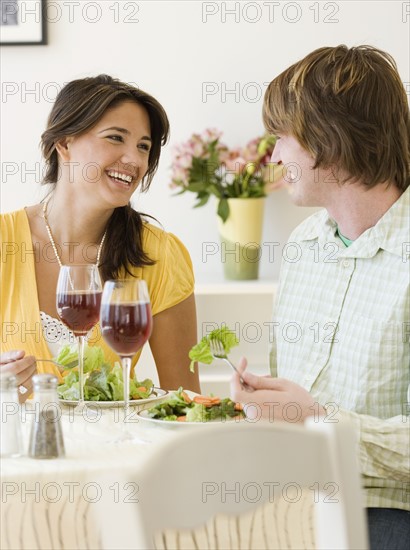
column 126, row 327
column 79, row 310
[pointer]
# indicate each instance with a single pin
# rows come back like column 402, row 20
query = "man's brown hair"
column 349, row 109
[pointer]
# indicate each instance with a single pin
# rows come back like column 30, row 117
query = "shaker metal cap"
column 8, row 381
column 45, row 381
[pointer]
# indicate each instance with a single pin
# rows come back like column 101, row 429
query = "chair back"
column 231, row 470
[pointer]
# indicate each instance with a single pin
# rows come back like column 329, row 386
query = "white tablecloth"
column 47, row 504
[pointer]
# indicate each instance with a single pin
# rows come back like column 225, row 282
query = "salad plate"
column 156, row 395
column 145, row 417
column 184, row 403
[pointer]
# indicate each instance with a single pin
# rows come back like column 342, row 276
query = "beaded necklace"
column 53, row 244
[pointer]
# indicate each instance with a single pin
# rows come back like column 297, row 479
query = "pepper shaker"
column 46, row 437
column 10, row 418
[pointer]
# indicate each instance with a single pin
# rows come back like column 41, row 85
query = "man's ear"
column 63, row 148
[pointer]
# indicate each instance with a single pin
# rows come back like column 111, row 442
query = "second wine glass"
column 126, row 322
column 78, row 306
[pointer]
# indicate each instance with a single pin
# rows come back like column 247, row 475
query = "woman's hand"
column 22, row 367
column 273, row 398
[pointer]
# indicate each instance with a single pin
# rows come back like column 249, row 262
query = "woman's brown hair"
column 78, row 107
column 349, row 109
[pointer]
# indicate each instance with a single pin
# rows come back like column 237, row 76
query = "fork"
column 60, row 367
column 218, row 352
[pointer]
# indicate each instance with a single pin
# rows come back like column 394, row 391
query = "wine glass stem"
column 126, row 370
column 81, row 342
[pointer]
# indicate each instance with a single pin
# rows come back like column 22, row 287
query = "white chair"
column 234, row 468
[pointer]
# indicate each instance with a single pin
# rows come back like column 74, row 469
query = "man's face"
column 307, row 187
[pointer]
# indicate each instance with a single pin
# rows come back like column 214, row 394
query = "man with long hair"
column 342, row 321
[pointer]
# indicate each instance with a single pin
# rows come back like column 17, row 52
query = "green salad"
column 180, row 407
column 102, row 381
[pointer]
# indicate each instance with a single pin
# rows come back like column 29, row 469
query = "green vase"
column 241, row 238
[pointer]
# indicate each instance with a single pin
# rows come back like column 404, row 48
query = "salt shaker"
column 10, row 418
column 46, row 437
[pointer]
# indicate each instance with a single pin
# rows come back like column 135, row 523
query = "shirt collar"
column 391, row 232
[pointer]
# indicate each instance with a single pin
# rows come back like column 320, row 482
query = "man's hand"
column 273, row 398
column 22, row 367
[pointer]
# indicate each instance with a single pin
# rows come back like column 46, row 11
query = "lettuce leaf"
column 93, row 357
column 174, row 406
column 97, row 384
column 70, row 392
column 197, row 413
column 201, row 352
column 141, row 390
column 114, row 381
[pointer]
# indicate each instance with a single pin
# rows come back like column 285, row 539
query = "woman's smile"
column 122, row 180
column 112, row 157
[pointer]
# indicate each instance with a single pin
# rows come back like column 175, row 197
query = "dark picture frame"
column 23, row 23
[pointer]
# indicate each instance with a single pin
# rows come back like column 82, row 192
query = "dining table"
column 52, row 504
column 48, row 504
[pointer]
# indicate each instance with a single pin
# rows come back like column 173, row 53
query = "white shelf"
column 216, row 286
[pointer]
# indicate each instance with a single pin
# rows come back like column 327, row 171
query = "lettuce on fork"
column 201, row 352
column 102, row 382
column 93, row 357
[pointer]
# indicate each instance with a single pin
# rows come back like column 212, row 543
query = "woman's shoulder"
column 171, row 278
column 151, row 231
column 157, row 241
column 11, row 216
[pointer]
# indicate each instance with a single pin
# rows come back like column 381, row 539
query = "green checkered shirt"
column 342, row 330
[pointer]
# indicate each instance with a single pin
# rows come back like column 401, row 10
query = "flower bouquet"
column 206, row 166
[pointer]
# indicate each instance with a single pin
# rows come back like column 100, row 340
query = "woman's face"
column 107, row 162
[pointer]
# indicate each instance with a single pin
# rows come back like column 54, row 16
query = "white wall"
column 175, row 50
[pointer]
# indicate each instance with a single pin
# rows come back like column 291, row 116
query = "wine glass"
column 79, row 293
column 126, row 323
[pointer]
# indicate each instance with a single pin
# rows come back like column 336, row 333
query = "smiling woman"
column 102, row 143
column 100, row 125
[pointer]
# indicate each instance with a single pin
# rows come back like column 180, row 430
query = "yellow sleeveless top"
column 170, row 281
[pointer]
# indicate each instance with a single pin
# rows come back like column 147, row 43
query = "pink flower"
column 211, row 134
column 215, row 169
column 185, row 160
column 232, row 160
